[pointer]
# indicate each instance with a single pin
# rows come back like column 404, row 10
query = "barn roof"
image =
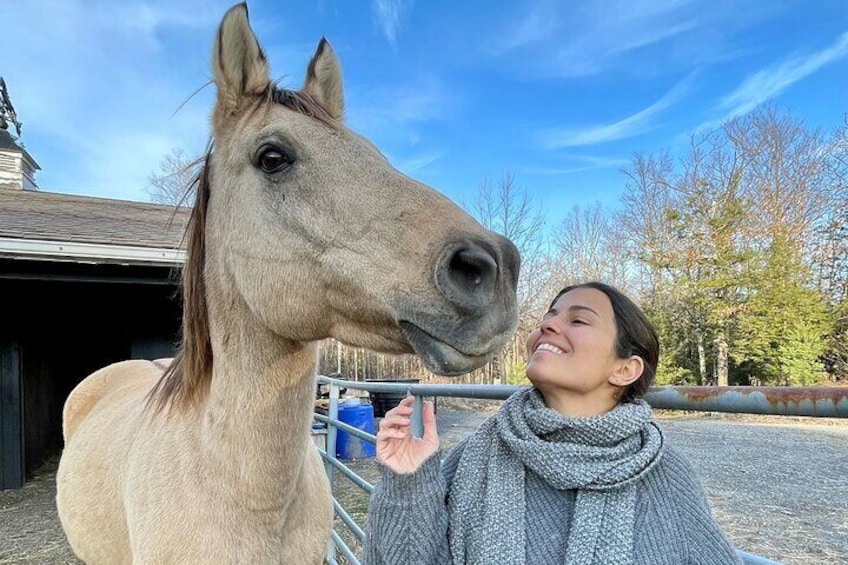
column 73, row 226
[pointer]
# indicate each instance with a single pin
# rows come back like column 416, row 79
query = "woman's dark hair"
column 635, row 336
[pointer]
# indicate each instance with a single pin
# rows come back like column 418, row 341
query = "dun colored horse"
column 301, row 231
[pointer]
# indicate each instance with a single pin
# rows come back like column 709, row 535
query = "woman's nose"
column 550, row 326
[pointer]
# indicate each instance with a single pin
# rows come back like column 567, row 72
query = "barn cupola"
column 17, row 167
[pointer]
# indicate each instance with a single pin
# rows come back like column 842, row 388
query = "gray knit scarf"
column 602, row 457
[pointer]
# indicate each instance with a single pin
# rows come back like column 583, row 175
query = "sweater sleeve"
column 704, row 540
column 408, row 515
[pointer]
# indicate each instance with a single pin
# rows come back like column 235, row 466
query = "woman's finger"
column 392, row 433
column 392, row 415
column 405, row 403
column 394, row 421
column 400, row 409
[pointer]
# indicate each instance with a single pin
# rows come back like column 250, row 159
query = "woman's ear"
column 629, row 370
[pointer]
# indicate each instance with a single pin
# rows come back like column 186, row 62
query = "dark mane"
column 188, row 377
column 302, row 103
column 186, row 381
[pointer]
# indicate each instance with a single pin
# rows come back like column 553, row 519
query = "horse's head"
column 310, row 228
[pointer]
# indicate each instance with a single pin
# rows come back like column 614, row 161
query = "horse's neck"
column 256, row 420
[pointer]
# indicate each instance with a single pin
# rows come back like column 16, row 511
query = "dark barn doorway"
column 61, row 322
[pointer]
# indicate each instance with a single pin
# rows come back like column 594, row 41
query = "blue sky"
column 559, row 93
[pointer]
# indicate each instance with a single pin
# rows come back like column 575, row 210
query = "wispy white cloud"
column 631, row 126
column 395, row 113
column 591, row 34
column 389, row 16
column 414, row 163
column 580, row 163
column 770, row 82
column 596, row 161
column 539, row 23
column 558, row 171
column 569, row 40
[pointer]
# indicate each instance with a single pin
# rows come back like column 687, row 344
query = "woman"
column 572, row 470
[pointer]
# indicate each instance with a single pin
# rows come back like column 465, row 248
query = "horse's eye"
column 272, row 160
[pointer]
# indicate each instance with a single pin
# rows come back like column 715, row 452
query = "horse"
column 301, row 231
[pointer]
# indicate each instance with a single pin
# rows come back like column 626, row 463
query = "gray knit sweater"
column 408, row 517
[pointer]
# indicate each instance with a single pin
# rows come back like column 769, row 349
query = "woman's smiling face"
column 573, row 348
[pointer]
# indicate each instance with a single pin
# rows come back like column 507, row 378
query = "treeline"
column 737, row 247
column 739, row 252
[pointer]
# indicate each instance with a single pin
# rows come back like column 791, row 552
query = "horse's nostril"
column 471, row 268
column 467, row 276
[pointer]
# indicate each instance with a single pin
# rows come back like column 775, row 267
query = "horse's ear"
column 324, row 80
column 238, row 63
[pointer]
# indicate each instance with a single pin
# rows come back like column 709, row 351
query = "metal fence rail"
column 816, row 402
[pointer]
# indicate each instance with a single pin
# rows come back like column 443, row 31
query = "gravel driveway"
column 778, row 489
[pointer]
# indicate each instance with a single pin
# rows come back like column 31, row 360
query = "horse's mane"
column 186, row 381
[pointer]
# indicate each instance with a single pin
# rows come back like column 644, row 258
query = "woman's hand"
column 396, row 448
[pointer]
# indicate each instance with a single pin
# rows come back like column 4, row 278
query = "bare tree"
column 172, row 184
column 509, row 210
column 830, row 254
column 830, row 258
column 588, row 246
column 784, row 167
column 643, row 222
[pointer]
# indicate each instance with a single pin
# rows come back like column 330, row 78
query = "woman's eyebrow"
column 578, row 307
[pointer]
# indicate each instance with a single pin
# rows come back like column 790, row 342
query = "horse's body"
column 301, row 231
column 160, row 490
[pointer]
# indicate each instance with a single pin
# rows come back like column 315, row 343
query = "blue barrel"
column 360, row 416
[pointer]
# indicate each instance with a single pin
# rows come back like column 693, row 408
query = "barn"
column 84, row 282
